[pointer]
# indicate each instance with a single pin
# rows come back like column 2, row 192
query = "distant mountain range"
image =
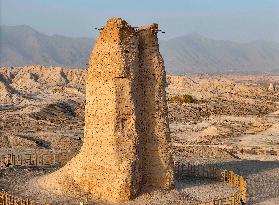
column 21, row 45
column 193, row 53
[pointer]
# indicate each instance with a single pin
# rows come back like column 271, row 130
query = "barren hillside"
column 231, row 121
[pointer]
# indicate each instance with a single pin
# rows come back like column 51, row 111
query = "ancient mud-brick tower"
column 126, row 143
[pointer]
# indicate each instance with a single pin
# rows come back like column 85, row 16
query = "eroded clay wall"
column 110, row 122
column 126, row 128
column 153, row 123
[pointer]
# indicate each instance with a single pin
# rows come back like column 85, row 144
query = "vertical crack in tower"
column 126, row 135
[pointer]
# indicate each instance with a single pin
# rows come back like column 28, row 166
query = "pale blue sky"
column 237, row 20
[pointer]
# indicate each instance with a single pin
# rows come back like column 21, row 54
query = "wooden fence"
column 29, row 159
column 228, row 177
column 9, row 199
column 32, row 159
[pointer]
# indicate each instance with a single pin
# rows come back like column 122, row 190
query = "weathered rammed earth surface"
column 152, row 108
column 126, row 144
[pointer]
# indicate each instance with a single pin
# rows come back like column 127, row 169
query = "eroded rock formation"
column 126, row 144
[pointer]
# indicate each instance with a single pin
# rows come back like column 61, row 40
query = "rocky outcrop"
column 126, row 144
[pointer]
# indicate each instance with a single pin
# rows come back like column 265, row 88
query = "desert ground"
column 231, row 122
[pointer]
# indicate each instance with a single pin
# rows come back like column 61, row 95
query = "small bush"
column 182, row 98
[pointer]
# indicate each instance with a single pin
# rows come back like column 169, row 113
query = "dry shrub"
column 182, row 99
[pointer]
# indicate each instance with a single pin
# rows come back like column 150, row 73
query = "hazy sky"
column 238, row 20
